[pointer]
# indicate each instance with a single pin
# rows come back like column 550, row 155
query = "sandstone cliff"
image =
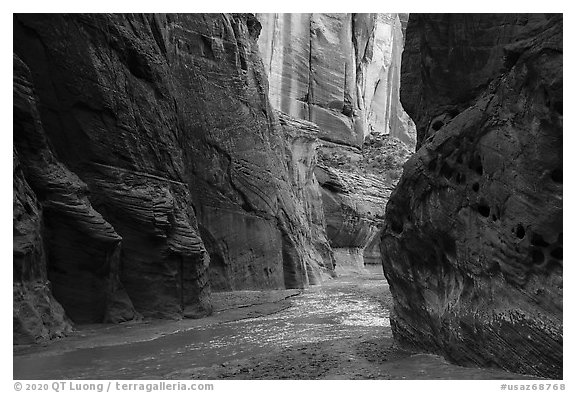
column 356, row 185
column 149, row 167
column 302, row 154
column 473, row 238
column 342, row 73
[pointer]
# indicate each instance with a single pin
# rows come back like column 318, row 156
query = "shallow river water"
column 336, row 328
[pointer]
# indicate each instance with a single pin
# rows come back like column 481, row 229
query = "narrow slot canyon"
column 287, row 196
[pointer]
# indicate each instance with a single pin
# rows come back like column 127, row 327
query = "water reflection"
column 334, row 311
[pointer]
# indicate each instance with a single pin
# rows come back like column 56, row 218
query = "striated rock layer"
column 356, row 185
column 59, row 230
column 472, row 244
column 344, row 189
column 149, row 168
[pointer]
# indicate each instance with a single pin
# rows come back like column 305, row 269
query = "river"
column 338, row 330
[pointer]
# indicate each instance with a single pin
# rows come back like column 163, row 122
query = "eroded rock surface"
column 59, row 230
column 302, row 147
column 356, row 185
column 158, row 167
column 344, row 189
column 379, row 40
column 36, row 314
column 340, row 71
column 473, row 239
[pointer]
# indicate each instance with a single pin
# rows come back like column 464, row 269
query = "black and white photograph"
column 201, row 197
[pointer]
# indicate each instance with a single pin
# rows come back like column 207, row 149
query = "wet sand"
column 339, row 330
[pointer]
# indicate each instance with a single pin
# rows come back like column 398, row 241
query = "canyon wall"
column 472, row 243
column 149, row 168
column 356, row 185
column 342, row 73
